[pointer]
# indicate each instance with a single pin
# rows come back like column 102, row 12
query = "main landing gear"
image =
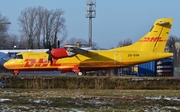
column 77, row 71
column 80, row 73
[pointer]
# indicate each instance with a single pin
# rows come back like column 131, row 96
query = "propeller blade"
column 49, row 52
column 49, row 45
column 58, row 43
column 50, row 58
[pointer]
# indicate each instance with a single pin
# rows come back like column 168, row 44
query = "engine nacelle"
column 61, row 53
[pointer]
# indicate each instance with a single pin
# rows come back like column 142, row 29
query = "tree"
column 39, row 25
column 12, row 41
column 53, row 26
column 28, row 24
column 3, row 31
column 173, row 45
column 40, row 16
column 124, row 43
column 84, row 43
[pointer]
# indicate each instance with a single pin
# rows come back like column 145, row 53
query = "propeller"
column 58, row 43
column 49, row 52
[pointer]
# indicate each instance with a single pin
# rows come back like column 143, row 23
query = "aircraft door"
column 117, row 59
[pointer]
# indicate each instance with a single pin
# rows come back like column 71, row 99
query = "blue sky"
column 115, row 20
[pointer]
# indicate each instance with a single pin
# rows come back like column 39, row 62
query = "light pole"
column 91, row 13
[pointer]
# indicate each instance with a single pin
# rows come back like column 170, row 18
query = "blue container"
column 147, row 69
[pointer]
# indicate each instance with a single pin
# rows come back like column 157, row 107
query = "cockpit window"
column 19, row 57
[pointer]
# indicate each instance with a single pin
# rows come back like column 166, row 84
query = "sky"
column 116, row 20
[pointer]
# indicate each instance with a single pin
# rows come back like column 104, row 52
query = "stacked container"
column 163, row 67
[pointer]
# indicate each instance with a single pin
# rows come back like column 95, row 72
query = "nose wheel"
column 16, row 72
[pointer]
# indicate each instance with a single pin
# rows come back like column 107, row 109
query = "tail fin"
column 156, row 39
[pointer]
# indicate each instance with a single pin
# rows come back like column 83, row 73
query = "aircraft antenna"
column 91, row 13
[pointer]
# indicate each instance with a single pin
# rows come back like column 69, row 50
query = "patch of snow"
column 176, row 99
column 172, row 107
column 42, row 101
column 37, row 101
column 4, row 99
column 24, row 107
column 137, row 79
column 173, row 98
column 160, row 97
column 153, row 98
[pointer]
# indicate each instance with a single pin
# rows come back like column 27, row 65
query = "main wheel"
column 80, row 73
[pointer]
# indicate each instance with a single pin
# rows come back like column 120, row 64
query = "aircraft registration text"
column 133, row 55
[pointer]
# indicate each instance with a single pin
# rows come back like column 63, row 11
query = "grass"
column 119, row 83
column 90, row 94
column 90, row 99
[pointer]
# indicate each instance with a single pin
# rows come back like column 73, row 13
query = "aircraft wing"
column 83, row 51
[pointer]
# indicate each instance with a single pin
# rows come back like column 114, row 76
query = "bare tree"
column 12, row 41
column 3, row 31
column 38, row 25
column 74, row 41
column 59, row 27
column 28, row 25
column 84, row 43
column 172, row 44
column 53, row 26
column 39, row 19
column 125, row 42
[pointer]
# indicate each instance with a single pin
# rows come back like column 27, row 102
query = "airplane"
column 73, row 59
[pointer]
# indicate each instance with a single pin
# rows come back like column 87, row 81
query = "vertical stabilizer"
column 156, row 39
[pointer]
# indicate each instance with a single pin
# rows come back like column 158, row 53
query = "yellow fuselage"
column 102, row 59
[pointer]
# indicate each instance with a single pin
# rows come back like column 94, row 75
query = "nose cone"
column 12, row 64
column 5, row 65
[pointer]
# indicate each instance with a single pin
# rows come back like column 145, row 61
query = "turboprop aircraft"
column 69, row 58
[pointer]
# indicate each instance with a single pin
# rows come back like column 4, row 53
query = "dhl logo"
column 152, row 39
column 40, row 63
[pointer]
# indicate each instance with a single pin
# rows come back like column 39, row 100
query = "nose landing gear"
column 16, row 72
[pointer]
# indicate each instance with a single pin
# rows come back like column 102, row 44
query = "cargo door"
column 117, row 59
